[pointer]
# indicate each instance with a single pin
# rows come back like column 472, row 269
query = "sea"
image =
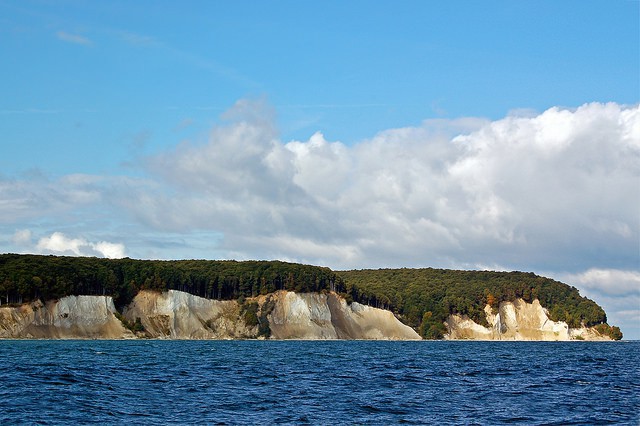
column 156, row 382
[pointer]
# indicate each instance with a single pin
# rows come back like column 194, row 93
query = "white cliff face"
column 180, row 315
column 517, row 320
column 328, row 316
column 91, row 317
column 301, row 316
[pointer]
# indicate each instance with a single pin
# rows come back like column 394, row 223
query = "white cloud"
column 532, row 191
column 109, row 250
column 622, row 311
column 22, row 237
column 319, row 167
column 58, row 243
column 73, row 38
column 37, row 196
column 611, row 282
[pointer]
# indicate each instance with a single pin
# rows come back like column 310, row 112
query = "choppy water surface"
column 339, row 382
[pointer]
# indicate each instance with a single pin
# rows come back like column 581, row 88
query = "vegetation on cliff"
column 421, row 298
column 424, row 298
column 24, row 278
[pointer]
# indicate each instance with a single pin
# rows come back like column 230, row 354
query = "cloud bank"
column 556, row 190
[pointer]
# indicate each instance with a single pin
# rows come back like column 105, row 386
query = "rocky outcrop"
column 72, row 317
column 517, row 320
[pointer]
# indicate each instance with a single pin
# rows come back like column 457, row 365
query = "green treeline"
column 424, row 298
column 24, row 278
column 421, row 298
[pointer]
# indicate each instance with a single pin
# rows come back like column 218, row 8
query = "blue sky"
column 461, row 134
column 103, row 79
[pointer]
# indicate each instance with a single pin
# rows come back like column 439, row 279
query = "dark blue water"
column 294, row 382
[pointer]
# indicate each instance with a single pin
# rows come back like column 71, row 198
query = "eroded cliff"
column 518, row 320
column 280, row 315
column 72, row 317
column 328, row 316
column 178, row 315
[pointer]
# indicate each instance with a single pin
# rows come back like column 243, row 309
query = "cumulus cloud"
column 58, row 243
column 540, row 191
column 609, row 281
column 319, row 167
column 109, row 250
column 550, row 191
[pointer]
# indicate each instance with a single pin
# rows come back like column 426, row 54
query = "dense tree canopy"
column 28, row 277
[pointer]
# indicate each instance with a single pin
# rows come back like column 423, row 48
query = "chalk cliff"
column 91, row 317
column 178, row 315
column 517, row 320
column 328, row 316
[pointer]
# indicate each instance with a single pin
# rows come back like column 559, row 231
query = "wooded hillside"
column 424, row 298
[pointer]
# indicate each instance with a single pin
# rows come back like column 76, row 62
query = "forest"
column 421, row 298
column 24, row 278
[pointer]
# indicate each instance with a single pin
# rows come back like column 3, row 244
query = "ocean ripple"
column 325, row 382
